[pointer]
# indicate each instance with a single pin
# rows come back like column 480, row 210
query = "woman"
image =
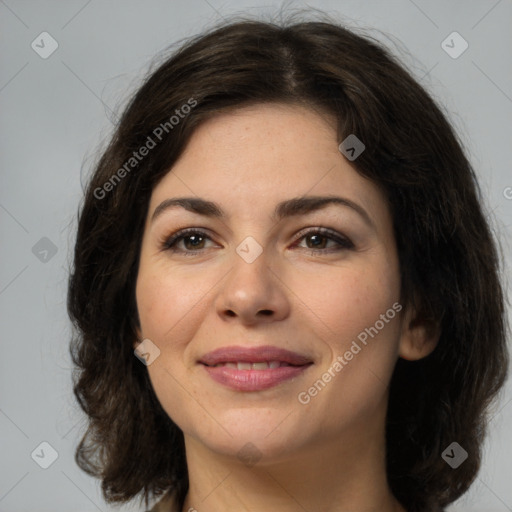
column 286, row 294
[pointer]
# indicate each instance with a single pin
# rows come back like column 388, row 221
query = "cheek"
column 170, row 309
column 352, row 309
column 167, row 303
column 342, row 302
column 354, row 318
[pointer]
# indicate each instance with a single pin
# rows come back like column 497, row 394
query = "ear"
column 419, row 336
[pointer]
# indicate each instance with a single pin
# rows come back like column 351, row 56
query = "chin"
column 253, row 433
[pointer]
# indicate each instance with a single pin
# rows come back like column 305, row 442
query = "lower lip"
column 253, row 380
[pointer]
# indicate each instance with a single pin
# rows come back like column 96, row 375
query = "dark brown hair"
column 450, row 266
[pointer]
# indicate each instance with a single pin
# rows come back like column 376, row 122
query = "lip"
column 253, row 380
column 253, row 355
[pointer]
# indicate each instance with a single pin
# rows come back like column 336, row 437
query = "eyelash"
column 344, row 243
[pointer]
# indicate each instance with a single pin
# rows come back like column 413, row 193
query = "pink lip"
column 253, row 380
column 235, row 354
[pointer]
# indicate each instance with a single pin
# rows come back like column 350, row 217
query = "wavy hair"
column 449, row 259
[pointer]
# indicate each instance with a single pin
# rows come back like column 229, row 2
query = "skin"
column 328, row 454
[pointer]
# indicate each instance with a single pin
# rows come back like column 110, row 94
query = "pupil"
column 312, row 237
column 196, row 238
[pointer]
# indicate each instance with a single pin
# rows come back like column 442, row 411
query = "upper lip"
column 236, row 354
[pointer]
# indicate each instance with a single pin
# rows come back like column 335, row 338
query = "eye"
column 194, row 237
column 193, row 241
column 316, row 235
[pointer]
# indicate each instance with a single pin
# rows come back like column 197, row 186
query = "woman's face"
column 259, row 274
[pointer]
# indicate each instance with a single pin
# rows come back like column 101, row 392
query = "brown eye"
column 193, row 241
column 316, row 238
column 320, row 237
column 196, row 241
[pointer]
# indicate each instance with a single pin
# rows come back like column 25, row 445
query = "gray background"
column 56, row 112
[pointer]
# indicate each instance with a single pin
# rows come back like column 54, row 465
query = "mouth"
column 253, row 369
column 242, row 365
column 254, row 355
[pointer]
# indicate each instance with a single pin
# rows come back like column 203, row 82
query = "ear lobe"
column 419, row 336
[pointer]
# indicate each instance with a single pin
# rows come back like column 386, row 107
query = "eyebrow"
column 289, row 208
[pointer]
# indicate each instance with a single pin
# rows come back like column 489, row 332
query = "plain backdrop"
column 55, row 113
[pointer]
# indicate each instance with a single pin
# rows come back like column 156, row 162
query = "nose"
column 252, row 293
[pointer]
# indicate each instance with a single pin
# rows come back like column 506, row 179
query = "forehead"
column 254, row 157
column 279, row 130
